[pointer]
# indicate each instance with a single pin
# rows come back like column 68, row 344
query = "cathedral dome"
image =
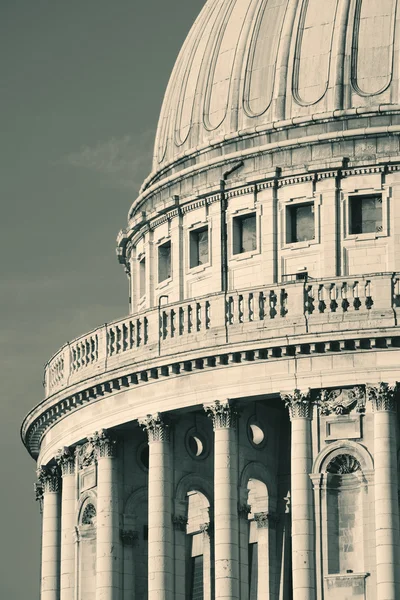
column 252, row 66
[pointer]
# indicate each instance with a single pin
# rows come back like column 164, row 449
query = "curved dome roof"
column 249, row 64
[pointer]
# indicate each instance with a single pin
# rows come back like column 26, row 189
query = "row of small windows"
column 365, row 216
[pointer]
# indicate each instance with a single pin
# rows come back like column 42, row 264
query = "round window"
column 196, row 444
column 256, row 433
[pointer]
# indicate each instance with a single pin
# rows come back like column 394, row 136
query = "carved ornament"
column 104, row 444
column 341, row 401
column 179, row 522
column 223, row 414
column 299, row 404
column 89, row 515
column 244, row 510
column 49, row 479
column 343, row 464
column 383, row 396
column 156, row 428
column 66, row 460
column 129, row 537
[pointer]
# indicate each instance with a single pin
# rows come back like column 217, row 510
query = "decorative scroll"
column 105, row 445
column 383, row 396
column 341, row 401
column 66, row 460
column 223, row 414
column 49, row 479
column 299, row 404
column 156, row 428
column 343, row 464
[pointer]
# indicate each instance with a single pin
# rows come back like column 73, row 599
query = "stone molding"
column 129, row 537
column 86, row 455
column 179, row 522
column 49, row 479
column 66, row 461
column 343, row 464
column 104, row 443
column 223, row 414
column 383, row 396
column 298, row 403
column 156, row 427
column 206, row 528
column 244, row 510
column 265, row 520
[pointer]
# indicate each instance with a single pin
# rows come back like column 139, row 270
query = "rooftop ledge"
column 277, row 320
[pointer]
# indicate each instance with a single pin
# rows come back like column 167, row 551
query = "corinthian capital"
column 298, row 403
column 49, row 479
column 66, row 460
column 104, row 444
column 156, row 427
column 383, row 396
column 223, row 414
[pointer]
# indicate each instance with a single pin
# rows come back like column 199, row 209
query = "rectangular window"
column 253, row 571
column 244, row 234
column 197, row 582
column 198, row 241
column 164, row 262
column 365, row 214
column 300, row 223
column 142, row 277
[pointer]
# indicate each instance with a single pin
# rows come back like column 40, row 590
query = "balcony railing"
column 267, row 312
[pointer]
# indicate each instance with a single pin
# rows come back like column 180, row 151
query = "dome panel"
column 373, row 44
column 313, row 53
column 260, row 72
column 219, row 82
column 190, row 78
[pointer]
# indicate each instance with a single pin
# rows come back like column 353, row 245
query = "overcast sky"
column 81, row 87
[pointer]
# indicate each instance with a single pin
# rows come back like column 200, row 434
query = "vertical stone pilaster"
column 302, row 501
column 384, row 402
column 160, row 540
column 226, row 519
column 129, row 538
column 66, row 462
column 49, row 484
column 108, row 543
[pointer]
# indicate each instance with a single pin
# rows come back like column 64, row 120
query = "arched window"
column 87, row 550
column 198, row 571
column 344, row 509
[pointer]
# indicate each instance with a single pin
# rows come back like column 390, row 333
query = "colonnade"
column 56, row 490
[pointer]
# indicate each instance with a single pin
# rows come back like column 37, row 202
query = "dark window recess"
column 164, row 262
column 244, row 234
column 142, row 277
column 300, row 223
column 198, row 247
column 365, row 213
column 197, row 585
column 253, row 571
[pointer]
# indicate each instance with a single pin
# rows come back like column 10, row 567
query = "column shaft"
column 66, row 462
column 50, row 577
column 386, row 494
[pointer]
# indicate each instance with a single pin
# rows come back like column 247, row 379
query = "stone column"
column 226, row 519
column 108, row 542
column 160, row 539
column 49, row 483
column 384, row 400
column 66, row 461
column 302, row 501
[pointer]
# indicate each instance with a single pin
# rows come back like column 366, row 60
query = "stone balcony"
column 269, row 322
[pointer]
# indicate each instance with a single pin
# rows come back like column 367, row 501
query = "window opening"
column 253, row 571
column 164, row 262
column 244, row 234
column 365, row 214
column 197, row 582
column 198, row 240
column 142, row 277
column 300, row 223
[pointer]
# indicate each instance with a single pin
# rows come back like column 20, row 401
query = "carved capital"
column 265, row 520
column 49, row 479
column 298, row 403
column 206, row 528
column 341, row 401
column 179, row 522
column 104, row 444
column 38, row 488
column 244, row 510
column 66, row 461
column 383, row 396
column 156, row 428
column 129, row 537
column 223, row 414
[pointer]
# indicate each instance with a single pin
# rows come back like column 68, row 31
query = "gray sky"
column 81, row 88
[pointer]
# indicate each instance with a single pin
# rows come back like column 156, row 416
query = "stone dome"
column 249, row 66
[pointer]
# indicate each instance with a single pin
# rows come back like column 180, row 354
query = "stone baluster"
column 160, row 537
column 66, row 461
column 108, row 542
column 302, row 501
column 384, row 401
column 226, row 519
column 49, row 486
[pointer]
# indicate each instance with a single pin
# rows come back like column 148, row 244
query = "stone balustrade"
column 273, row 311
